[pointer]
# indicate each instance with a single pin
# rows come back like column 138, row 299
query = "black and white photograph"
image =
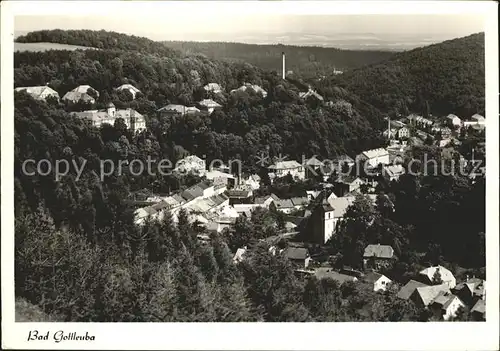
column 181, row 162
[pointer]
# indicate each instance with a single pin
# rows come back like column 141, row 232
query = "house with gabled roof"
column 471, row 290
column 209, row 105
column 378, row 281
column 445, row 305
column 133, row 119
column 130, row 88
column 409, row 288
column 478, row 311
column 374, row 157
column 427, row 275
column 254, row 87
column 213, row 87
column 425, row 295
column 453, row 120
column 378, row 256
column 299, row 256
column 41, row 92
column 292, row 167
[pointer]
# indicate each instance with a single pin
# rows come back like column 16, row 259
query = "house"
column 389, row 133
column 453, row 120
column 428, row 274
column 378, row 256
column 133, row 119
column 254, row 87
column 266, row 201
column 311, row 94
column 403, row 133
column 422, row 135
column 374, row 157
column 220, row 223
column 313, row 166
column 342, row 160
column 445, row 305
column 238, row 256
column 80, row 93
column 219, row 177
column 180, row 110
column 39, row 92
column 191, row 164
column 130, row 88
column 392, row 172
column 397, row 124
column 419, row 121
column 253, row 181
column 379, row 281
column 283, row 168
column 471, row 290
column 478, row 311
column 325, row 215
column 444, row 142
column 328, row 273
column 425, row 295
column 346, row 184
column 209, row 105
column 478, row 119
column 213, row 87
column 284, row 205
column 240, row 194
column 299, row 256
column 406, row 291
column 299, row 202
column 312, row 194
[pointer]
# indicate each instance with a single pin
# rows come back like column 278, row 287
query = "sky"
column 263, row 28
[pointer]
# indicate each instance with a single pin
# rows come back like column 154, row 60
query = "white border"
column 259, row 336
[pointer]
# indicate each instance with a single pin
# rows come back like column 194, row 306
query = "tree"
column 436, row 278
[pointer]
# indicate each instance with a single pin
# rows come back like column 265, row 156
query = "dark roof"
column 235, row 193
column 299, row 201
column 297, row 253
column 410, row 287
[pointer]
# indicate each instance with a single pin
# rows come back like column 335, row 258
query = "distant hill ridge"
column 443, row 78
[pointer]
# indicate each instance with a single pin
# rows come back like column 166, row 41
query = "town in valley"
column 301, row 190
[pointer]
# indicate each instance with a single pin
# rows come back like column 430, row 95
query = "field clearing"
column 47, row 46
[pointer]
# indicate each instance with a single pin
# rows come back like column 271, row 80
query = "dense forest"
column 306, row 61
column 79, row 256
column 439, row 79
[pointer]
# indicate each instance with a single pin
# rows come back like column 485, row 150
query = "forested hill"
column 97, row 39
column 443, row 78
column 303, row 60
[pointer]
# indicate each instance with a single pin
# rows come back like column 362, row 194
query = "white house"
column 209, row 105
column 379, row 281
column 254, row 87
column 445, row 305
column 173, row 109
column 446, row 276
column 39, row 92
column 374, row 157
column 253, row 181
column 191, row 164
column 283, row 168
column 478, row 119
column 130, row 88
column 392, row 172
column 213, row 87
column 133, row 119
column 80, row 93
column 454, row 120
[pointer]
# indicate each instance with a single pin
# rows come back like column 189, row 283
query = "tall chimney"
column 283, row 55
column 389, row 127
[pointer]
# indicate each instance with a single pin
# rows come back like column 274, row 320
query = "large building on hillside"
column 374, row 157
column 39, row 92
column 133, row 119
